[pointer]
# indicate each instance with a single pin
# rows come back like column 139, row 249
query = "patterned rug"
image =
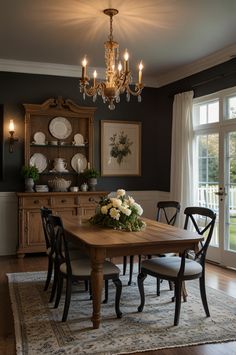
column 39, row 330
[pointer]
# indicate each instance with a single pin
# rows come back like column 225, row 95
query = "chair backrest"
column 45, row 212
column 56, row 228
column 203, row 220
column 170, row 211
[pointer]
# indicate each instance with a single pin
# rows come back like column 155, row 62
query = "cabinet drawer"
column 89, row 200
column 59, row 201
column 36, row 202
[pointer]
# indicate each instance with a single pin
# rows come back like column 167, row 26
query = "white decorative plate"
column 79, row 162
column 78, row 139
column 39, row 138
column 39, row 160
column 60, row 127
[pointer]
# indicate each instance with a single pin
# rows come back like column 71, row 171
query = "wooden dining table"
column 100, row 243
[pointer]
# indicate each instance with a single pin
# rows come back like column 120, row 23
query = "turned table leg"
column 97, row 260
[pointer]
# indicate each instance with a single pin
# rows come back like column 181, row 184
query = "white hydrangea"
column 130, row 201
column 138, row 208
column 120, row 193
column 104, row 209
column 115, row 214
column 116, row 202
column 125, row 210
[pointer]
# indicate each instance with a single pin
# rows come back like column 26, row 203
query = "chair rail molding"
column 9, row 223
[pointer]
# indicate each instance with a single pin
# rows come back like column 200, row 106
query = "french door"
column 215, row 168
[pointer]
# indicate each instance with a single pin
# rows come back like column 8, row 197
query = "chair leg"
column 90, row 290
column 67, row 299
column 178, row 288
column 158, row 286
column 141, row 278
column 124, row 264
column 118, row 285
column 86, row 285
column 171, row 285
column 55, row 282
column 59, row 291
column 203, row 294
column 131, row 265
column 49, row 273
column 139, row 263
column 106, row 292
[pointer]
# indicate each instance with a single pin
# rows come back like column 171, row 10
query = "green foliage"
column 91, row 173
column 30, row 172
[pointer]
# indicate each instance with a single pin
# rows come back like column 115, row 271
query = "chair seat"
column 169, row 266
column 82, row 268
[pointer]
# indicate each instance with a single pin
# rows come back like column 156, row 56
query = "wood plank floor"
column 218, row 278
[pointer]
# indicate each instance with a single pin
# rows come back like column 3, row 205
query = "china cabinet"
column 59, row 138
column 59, row 142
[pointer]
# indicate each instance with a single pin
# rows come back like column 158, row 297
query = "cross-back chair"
column 45, row 212
column 180, row 268
column 78, row 269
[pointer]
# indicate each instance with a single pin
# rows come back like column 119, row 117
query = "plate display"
column 38, row 160
column 39, row 138
column 79, row 162
column 60, row 127
column 78, row 139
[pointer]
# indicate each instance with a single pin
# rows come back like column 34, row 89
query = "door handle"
column 221, row 193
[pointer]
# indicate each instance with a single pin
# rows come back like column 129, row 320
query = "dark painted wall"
column 24, row 88
column 155, row 113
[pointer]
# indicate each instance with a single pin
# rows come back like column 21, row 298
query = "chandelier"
column 118, row 78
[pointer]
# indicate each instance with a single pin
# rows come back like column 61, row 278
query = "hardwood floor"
column 218, row 278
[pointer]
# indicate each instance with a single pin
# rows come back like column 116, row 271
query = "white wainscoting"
column 8, row 223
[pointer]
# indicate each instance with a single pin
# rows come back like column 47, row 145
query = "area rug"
column 39, row 330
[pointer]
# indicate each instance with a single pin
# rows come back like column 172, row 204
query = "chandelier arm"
column 137, row 91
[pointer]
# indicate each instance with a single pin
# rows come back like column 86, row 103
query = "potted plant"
column 30, row 174
column 91, row 176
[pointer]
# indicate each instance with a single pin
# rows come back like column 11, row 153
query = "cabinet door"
column 33, row 229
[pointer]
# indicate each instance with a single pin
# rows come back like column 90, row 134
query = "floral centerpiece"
column 119, row 212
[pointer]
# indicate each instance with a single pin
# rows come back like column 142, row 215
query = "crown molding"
column 74, row 71
column 209, row 61
column 18, row 66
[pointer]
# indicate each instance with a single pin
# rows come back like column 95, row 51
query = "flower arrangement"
column 119, row 212
column 120, row 146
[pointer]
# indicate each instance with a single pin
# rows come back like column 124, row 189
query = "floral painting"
column 120, row 148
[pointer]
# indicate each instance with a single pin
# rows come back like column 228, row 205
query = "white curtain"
column 181, row 151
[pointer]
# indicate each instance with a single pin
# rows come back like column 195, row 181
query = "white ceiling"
column 168, row 35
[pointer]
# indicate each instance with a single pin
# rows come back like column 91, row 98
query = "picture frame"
column 120, row 148
column 1, row 141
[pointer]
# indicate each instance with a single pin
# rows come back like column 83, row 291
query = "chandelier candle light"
column 118, row 79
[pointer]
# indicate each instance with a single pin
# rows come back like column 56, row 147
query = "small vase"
column 29, row 185
column 92, row 183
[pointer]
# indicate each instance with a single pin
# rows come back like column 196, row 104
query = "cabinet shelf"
column 59, row 173
column 58, row 145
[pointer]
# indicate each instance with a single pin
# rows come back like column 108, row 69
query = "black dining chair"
column 167, row 212
column 73, row 270
column 181, row 268
column 45, row 212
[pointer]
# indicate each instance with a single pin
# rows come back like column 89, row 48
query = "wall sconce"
column 12, row 139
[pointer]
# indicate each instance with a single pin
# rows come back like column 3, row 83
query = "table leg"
column 97, row 261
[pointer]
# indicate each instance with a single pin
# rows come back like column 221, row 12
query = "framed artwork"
column 120, row 148
column 1, row 142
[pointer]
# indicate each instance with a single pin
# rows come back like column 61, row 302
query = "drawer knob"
column 36, row 202
column 63, row 201
column 91, row 199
